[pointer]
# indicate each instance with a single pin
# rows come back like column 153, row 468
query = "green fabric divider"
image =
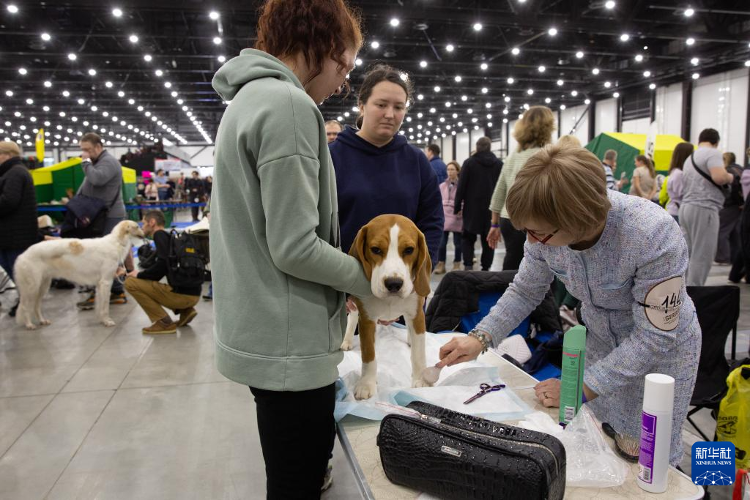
column 43, row 193
column 625, row 155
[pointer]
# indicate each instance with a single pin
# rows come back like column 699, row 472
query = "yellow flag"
column 40, row 146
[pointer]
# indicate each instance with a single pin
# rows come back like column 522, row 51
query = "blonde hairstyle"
column 565, row 187
column 10, row 148
column 535, row 128
column 569, row 141
column 455, row 164
column 648, row 163
column 729, row 159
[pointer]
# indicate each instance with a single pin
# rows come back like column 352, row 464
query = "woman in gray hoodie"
column 279, row 277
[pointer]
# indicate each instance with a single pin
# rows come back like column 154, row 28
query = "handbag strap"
column 704, row 174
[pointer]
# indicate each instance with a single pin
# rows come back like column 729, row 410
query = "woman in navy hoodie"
column 378, row 171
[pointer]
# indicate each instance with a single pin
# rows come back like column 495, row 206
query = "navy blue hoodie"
column 394, row 179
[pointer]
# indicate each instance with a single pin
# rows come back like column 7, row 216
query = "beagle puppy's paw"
column 346, row 345
column 420, row 382
column 30, row 326
column 44, row 322
column 365, row 389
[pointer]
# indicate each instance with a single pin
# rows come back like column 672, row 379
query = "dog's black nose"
column 393, row 284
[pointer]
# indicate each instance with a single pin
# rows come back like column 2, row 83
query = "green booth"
column 628, row 146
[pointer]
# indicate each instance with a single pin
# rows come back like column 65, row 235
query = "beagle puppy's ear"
column 422, row 268
column 358, row 250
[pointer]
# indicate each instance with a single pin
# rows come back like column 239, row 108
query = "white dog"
column 85, row 262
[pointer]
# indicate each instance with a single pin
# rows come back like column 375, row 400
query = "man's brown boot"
column 161, row 326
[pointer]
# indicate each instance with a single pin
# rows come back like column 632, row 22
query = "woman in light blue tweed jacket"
column 625, row 259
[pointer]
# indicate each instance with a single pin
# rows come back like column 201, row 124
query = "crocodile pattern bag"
column 457, row 456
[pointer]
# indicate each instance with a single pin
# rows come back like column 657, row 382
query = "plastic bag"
column 733, row 420
column 591, row 463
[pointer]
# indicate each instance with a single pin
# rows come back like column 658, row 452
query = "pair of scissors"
column 484, row 389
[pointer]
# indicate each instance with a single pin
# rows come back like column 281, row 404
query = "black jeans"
column 443, row 250
column 296, row 432
column 514, row 241
column 468, row 240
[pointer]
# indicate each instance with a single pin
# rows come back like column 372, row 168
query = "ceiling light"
column 530, row 91
column 29, row 101
column 616, row 95
column 169, row 84
column 65, row 93
column 579, row 54
column 607, row 84
column 542, row 69
column 458, row 78
column 131, row 101
column 552, row 32
column 574, row 93
column 515, row 51
column 447, row 104
column 9, row 93
column 477, row 26
column 158, row 72
column 587, row 101
column 12, row 9
column 359, row 62
column 81, row 101
column 610, row 4
column 639, row 57
column 624, row 37
column 747, row 63
column 213, row 15
column 48, row 84
column 652, row 86
column 133, row 38
column 121, row 94
column 449, row 47
column 696, row 76
column 562, row 107
column 117, row 12
column 484, row 66
column 595, row 71
column 147, row 58
column 422, row 64
column 72, row 56
column 694, row 61
column 92, row 72
column 560, row 83
column 420, row 97
column 647, row 74
column 46, row 37
column 548, row 100
column 22, row 71
column 689, row 12
column 395, row 22
column 511, row 80
column 217, row 40
column 375, row 44
column 221, row 59
column 464, row 98
column 437, row 88
column 690, row 41
column 485, row 90
column 108, row 85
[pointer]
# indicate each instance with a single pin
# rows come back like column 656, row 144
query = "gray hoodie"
column 104, row 181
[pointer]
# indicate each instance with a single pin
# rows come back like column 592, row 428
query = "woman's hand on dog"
column 459, row 350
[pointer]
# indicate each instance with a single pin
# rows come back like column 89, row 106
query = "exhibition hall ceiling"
column 138, row 70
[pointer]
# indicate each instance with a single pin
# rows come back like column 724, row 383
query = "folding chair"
column 718, row 309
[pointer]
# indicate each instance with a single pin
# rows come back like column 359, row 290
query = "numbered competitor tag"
column 662, row 304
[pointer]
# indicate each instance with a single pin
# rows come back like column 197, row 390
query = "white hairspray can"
column 656, row 432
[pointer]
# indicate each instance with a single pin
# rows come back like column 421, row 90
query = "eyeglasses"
column 544, row 240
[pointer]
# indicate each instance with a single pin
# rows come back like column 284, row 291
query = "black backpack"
column 186, row 265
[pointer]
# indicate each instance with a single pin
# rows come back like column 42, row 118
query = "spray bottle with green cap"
column 573, row 362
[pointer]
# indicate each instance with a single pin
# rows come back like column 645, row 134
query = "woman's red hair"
column 318, row 29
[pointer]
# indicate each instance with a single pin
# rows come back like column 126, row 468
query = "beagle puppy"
column 394, row 255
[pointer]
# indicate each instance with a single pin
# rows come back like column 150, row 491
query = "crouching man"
column 153, row 296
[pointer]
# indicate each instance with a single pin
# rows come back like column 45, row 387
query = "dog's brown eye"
column 375, row 250
column 408, row 250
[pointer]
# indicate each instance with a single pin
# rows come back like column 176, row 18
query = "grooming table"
column 358, row 439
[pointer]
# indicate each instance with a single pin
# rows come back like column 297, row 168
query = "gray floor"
column 108, row 413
